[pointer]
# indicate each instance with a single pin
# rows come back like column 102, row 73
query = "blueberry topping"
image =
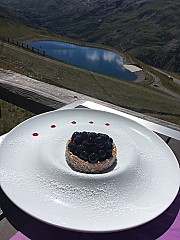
column 91, row 146
column 93, row 158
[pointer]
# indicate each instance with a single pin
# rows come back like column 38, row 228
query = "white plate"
column 35, row 176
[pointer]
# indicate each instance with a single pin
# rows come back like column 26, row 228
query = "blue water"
column 94, row 59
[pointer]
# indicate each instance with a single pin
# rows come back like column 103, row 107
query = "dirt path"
column 175, row 80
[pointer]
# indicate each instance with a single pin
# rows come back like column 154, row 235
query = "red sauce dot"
column 91, row 122
column 73, row 122
column 53, row 126
column 107, row 124
column 35, row 134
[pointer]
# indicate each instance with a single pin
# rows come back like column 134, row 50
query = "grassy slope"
column 116, row 91
column 11, row 116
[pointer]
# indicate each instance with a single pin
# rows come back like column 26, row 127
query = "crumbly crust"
column 79, row 165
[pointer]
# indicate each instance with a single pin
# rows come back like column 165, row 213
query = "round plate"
column 35, row 176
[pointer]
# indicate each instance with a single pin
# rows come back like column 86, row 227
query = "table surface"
column 17, row 225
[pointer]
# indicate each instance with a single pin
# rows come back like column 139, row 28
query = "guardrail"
column 23, row 45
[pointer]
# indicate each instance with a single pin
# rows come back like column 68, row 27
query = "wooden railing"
column 39, row 97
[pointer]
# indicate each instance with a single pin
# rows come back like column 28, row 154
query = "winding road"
column 157, row 84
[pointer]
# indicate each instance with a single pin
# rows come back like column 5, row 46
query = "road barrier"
column 23, row 45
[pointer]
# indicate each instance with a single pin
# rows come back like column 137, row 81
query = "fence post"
column 27, row 46
column 17, row 43
column 32, row 49
column 43, row 53
column 22, row 44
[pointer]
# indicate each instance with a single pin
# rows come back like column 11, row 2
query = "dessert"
column 90, row 152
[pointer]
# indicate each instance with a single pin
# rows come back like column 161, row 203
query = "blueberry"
column 101, row 155
column 108, row 146
column 89, row 141
column 84, row 155
column 85, row 144
column 93, row 158
column 103, row 136
column 98, row 141
column 92, row 135
column 78, row 140
column 75, row 134
column 110, row 140
column 80, row 148
column 108, row 155
column 84, row 135
column 75, row 152
column 71, row 147
column 94, row 149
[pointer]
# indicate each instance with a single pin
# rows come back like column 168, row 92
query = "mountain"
column 11, row 14
column 147, row 29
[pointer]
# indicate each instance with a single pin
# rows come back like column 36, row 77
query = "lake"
column 93, row 59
